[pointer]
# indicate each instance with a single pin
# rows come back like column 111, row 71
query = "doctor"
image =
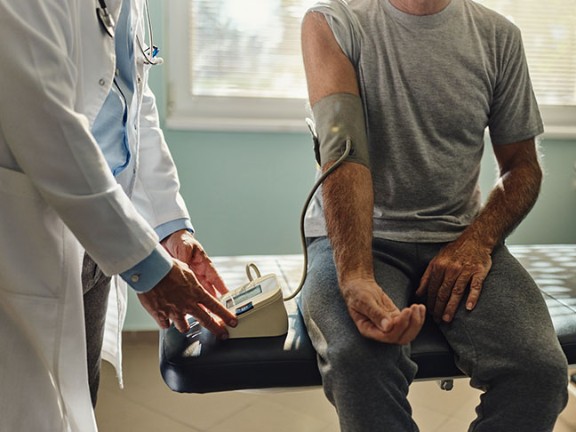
column 73, row 199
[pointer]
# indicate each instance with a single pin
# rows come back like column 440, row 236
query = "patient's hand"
column 377, row 317
column 460, row 266
column 183, row 246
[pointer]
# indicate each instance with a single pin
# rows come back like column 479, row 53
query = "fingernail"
column 446, row 318
column 233, row 323
column 470, row 306
column 384, row 324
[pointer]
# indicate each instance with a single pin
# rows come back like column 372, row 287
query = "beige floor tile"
column 453, row 425
column 467, row 411
column 428, row 420
column 148, row 405
column 332, row 427
column 143, row 385
column 564, row 427
column 567, row 421
column 268, row 416
column 312, row 402
column 428, row 394
column 117, row 414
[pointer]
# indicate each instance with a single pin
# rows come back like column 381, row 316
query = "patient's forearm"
column 348, row 206
column 507, row 204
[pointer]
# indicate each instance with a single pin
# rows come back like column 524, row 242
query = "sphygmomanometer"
column 339, row 118
column 339, row 134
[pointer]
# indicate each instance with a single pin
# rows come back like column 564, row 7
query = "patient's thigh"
column 321, row 299
column 509, row 324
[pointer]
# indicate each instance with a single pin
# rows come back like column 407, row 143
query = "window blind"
column 549, row 35
column 247, row 48
column 236, row 64
column 251, row 48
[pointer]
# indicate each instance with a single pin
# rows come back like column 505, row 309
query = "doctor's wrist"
column 150, row 271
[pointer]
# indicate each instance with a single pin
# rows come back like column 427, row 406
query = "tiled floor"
column 147, row 405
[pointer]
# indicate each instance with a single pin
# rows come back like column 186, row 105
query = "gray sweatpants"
column 506, row 345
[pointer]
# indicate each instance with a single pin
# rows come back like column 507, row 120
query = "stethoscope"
column 105, row 18
column 108, row 24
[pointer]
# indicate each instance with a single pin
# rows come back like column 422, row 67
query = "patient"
column 399, row 230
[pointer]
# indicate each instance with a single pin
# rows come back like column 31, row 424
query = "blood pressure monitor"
column 259, row 307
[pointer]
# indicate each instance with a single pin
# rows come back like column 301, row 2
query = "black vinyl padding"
column 199, row 363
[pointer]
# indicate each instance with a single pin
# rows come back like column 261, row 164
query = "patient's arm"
column 348, row 202
column 466, row 262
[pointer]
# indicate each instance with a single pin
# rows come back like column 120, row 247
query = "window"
column 549, row 36
column 236, row 64
column 241, row 66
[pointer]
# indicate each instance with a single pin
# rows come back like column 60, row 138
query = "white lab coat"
column 58, row 198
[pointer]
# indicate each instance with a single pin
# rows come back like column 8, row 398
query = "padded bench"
column 199, row 363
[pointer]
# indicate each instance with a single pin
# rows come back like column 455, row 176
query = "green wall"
column 245, row 190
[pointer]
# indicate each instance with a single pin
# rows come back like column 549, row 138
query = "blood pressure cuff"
column 337, row 118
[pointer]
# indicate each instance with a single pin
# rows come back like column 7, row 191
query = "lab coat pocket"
column 39, row 317
column 32, row 239
column 31, row 400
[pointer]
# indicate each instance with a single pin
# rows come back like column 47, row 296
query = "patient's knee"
column 367, row 361
column 541, row 378
column 549, row 375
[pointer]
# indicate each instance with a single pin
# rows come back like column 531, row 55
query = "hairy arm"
column 466, row 261
column 349, row 201
column 513, row 196
column 347, row 192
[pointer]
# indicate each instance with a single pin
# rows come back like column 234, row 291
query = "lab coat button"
column 102, row 81
column 135, row 277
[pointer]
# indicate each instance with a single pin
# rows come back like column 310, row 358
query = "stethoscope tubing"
column 108, row 24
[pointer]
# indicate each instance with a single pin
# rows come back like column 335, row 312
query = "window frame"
column 213, row 113
column 219, row 113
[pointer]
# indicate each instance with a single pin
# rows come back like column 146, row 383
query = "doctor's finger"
column 180, row 323
column 211, row 324
column 160, row 319
column 213, row 279
column 212, row 305
column 207, row 275
column 164, row 323
column 218, row 283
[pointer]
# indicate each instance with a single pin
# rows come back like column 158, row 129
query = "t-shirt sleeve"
column 344, row 25
column 514, row 113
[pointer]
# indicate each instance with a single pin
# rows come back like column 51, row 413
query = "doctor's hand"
column 183, row 246
column 180, row 293
column 459, row 265
column 377, row 317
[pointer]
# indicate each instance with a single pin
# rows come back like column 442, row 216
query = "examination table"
column 199, row 363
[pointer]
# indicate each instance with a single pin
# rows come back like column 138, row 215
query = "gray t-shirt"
column 430, row 86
